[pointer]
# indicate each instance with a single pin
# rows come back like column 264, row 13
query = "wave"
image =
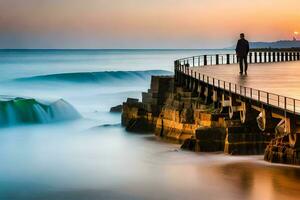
column 98, row 77
column 19, row 110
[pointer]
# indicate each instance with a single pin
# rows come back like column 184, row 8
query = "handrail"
column 253, row 57
column 288, row 104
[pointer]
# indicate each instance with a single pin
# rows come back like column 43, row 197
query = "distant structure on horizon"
column 294, row 43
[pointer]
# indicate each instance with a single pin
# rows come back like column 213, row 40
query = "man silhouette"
column 242, row 50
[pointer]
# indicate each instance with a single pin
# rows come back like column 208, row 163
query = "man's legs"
column 246, row 64
column 241, row 64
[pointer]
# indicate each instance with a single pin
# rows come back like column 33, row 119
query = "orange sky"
column 144, row 23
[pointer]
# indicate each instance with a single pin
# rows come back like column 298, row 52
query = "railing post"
column 193, row 61
column 298, row 55
column 187, row 67
column 240, row 90
column 250, row 57
column 286, row 56
column 255, row 57
column 205, row 60
column 227, row 59
column 274, row 57
column 294, row 105
column 235, row 90
column 260, row 57
column 175, row 70
column 265, row 57
column 282, row 56
column 217, row 59
column 294, row 56
column 285, row 103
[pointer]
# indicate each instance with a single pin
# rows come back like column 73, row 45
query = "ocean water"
column 59, row 141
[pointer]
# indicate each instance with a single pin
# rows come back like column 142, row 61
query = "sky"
column 144, row 23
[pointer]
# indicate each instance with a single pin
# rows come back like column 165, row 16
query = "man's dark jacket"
column 242, row 48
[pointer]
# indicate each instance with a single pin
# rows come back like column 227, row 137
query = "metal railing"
column 287, row 104
column 253, row 57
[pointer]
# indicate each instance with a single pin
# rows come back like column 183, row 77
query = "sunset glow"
column 143, row 23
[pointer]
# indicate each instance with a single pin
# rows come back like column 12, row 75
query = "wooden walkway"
column 282, row 78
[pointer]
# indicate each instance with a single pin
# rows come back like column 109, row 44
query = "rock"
column 116, row 109
column 139, row 125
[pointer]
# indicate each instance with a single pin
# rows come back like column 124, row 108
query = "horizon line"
column 1, row 49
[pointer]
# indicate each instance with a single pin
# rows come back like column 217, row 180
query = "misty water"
column 59, row 141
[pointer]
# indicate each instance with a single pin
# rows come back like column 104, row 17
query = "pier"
column 208, row 107
column 265, row 91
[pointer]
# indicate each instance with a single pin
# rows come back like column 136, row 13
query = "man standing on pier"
column 242, row 50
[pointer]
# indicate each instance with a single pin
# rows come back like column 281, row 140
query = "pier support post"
column 226, row 103
column 205, row 60
column 265, row 120
column 196, row 87
column 217, row 59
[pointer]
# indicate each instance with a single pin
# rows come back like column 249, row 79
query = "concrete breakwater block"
column 136, row 118
column 239, row 143
column 245, row 148
column 116, row 109
column 206, row 140
column 282, row 154
column 140, row 125
column 280, row 151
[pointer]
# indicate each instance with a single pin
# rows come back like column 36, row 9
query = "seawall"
column 175, row 113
